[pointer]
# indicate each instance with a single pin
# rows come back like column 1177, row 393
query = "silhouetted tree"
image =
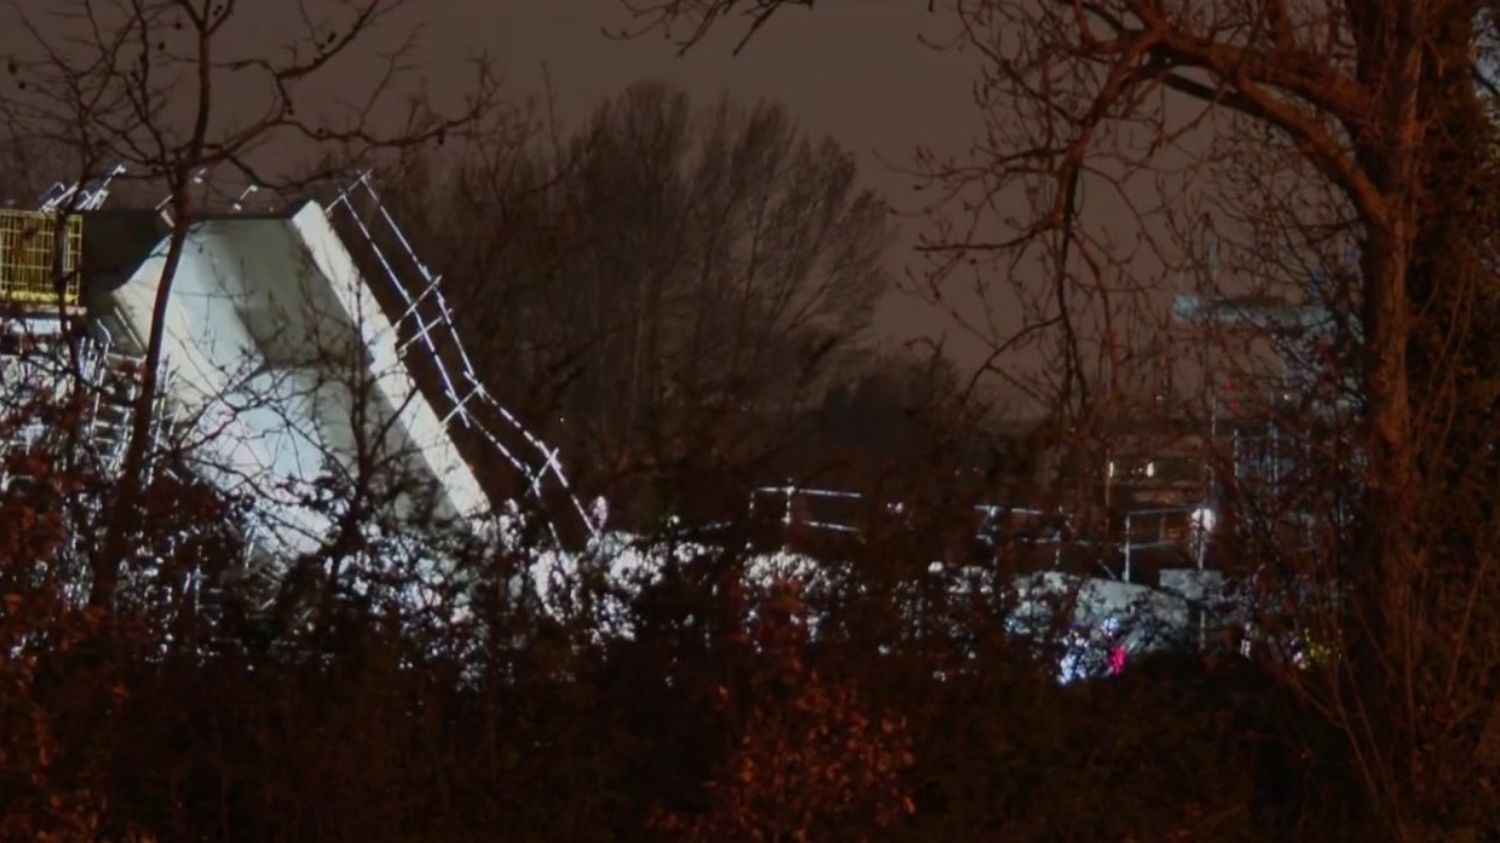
column 670, row 285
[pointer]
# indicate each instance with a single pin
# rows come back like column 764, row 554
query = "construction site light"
column 28, row 246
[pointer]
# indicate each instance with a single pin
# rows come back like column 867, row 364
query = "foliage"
column 810, row 763
column 873, row 702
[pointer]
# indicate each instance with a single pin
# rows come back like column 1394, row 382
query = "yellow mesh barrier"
column 27, row 245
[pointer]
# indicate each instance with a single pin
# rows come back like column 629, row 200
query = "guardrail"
column 428, row 321
column 1144, row 529
column 1165, row 527
column 791, row 515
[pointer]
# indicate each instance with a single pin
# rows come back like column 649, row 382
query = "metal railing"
column 791, row 514
column 1164, row 527
column 1144, row 529
column 426, row 315
column 87, row 195
column 108, row 384
column 1029, row 525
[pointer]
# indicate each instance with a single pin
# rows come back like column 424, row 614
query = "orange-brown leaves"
column 811, row 762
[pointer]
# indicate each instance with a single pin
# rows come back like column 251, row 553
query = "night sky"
column 857, row 70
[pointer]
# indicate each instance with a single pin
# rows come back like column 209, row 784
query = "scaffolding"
column 28, row 258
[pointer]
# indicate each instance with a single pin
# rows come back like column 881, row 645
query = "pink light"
column 1117, row 660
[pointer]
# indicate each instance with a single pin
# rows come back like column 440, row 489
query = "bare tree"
column 698, row 17
column 1309, row 128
